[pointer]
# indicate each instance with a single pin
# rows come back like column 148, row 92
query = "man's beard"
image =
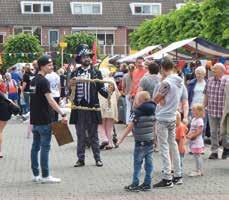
column 86, row 63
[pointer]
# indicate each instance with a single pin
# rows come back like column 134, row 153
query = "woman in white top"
column 196, row 87
column 196, row 90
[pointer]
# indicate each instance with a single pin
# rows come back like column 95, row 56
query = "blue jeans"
column 182, row 163
column 27, row 101
column 41, row 141
column 143, row 150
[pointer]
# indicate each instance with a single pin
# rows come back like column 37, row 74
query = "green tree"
column 176, row 25
column 216, row 21
column 73, row 40
column 187, row 21
column 21, row 48
column 208, row 19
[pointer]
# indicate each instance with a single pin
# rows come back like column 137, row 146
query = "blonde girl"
column 196, row 139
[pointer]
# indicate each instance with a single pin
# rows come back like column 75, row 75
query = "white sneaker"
column 195, row 173
column 26, row 115
column 36, row 179
column 26, row 121
column 50, row 179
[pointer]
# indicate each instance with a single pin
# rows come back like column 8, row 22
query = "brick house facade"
column 110, row 20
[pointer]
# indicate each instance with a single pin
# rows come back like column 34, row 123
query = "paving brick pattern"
column 93, row 183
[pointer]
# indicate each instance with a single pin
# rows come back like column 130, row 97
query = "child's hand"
column 185, row 121
column 193, row 138
column 188, row 136
column 162, row 102
column 119, row 142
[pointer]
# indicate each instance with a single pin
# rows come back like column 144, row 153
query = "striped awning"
column 197, row 45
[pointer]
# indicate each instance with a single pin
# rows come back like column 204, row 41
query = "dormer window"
column 145, row 8
column 37, row 7
column 86, row 8
column 179, row 5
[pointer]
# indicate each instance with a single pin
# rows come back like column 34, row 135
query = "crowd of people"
column 166, row 108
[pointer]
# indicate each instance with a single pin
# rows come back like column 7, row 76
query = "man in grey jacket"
column 167, row 98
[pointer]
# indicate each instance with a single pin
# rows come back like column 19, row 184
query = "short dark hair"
column 140, row 58
column 153, row 68
column 167, row 64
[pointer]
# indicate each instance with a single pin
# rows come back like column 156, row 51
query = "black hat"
column 44, row 60
column 82, row 50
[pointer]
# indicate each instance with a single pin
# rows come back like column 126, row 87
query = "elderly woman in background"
column 196, row 87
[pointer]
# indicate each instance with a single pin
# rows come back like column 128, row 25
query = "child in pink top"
column 196, row 139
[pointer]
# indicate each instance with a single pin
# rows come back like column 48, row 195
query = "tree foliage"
column 21, row 48
column 73, row 41
column 216, row 21
column 208, row 19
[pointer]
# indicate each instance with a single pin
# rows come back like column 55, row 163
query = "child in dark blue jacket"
column 141, row 124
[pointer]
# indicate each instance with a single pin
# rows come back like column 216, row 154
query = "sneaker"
column 25, row 121
column 213, row 156
column 225, row 154
column 98, row 163
column 79, row 163
column 36, row 179
column 195, row 174
column 177, row 180
column 26, row 115
column 132, row 188
column 145, row 187
column 50, row 179
column 102, row 146
column 164, row 184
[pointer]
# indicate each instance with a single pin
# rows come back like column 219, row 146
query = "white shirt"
column 198, row 96
column 54, row 81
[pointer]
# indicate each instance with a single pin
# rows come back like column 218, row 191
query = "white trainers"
column 195, row 173
column 36, row 179
column 26, row 115
column 50, row 179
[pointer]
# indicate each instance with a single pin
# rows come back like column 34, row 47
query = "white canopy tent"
column 197, row 45
column 144, row 52
column 172, row 55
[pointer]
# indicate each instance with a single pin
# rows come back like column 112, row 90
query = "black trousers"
column 82, row 131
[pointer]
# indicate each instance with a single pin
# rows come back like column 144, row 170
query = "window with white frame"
column 86, row 8
column 145, row 8
column 37, row 7
column 179, row 5
column 2, row 35
column 33, row 30
column 104, row 37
